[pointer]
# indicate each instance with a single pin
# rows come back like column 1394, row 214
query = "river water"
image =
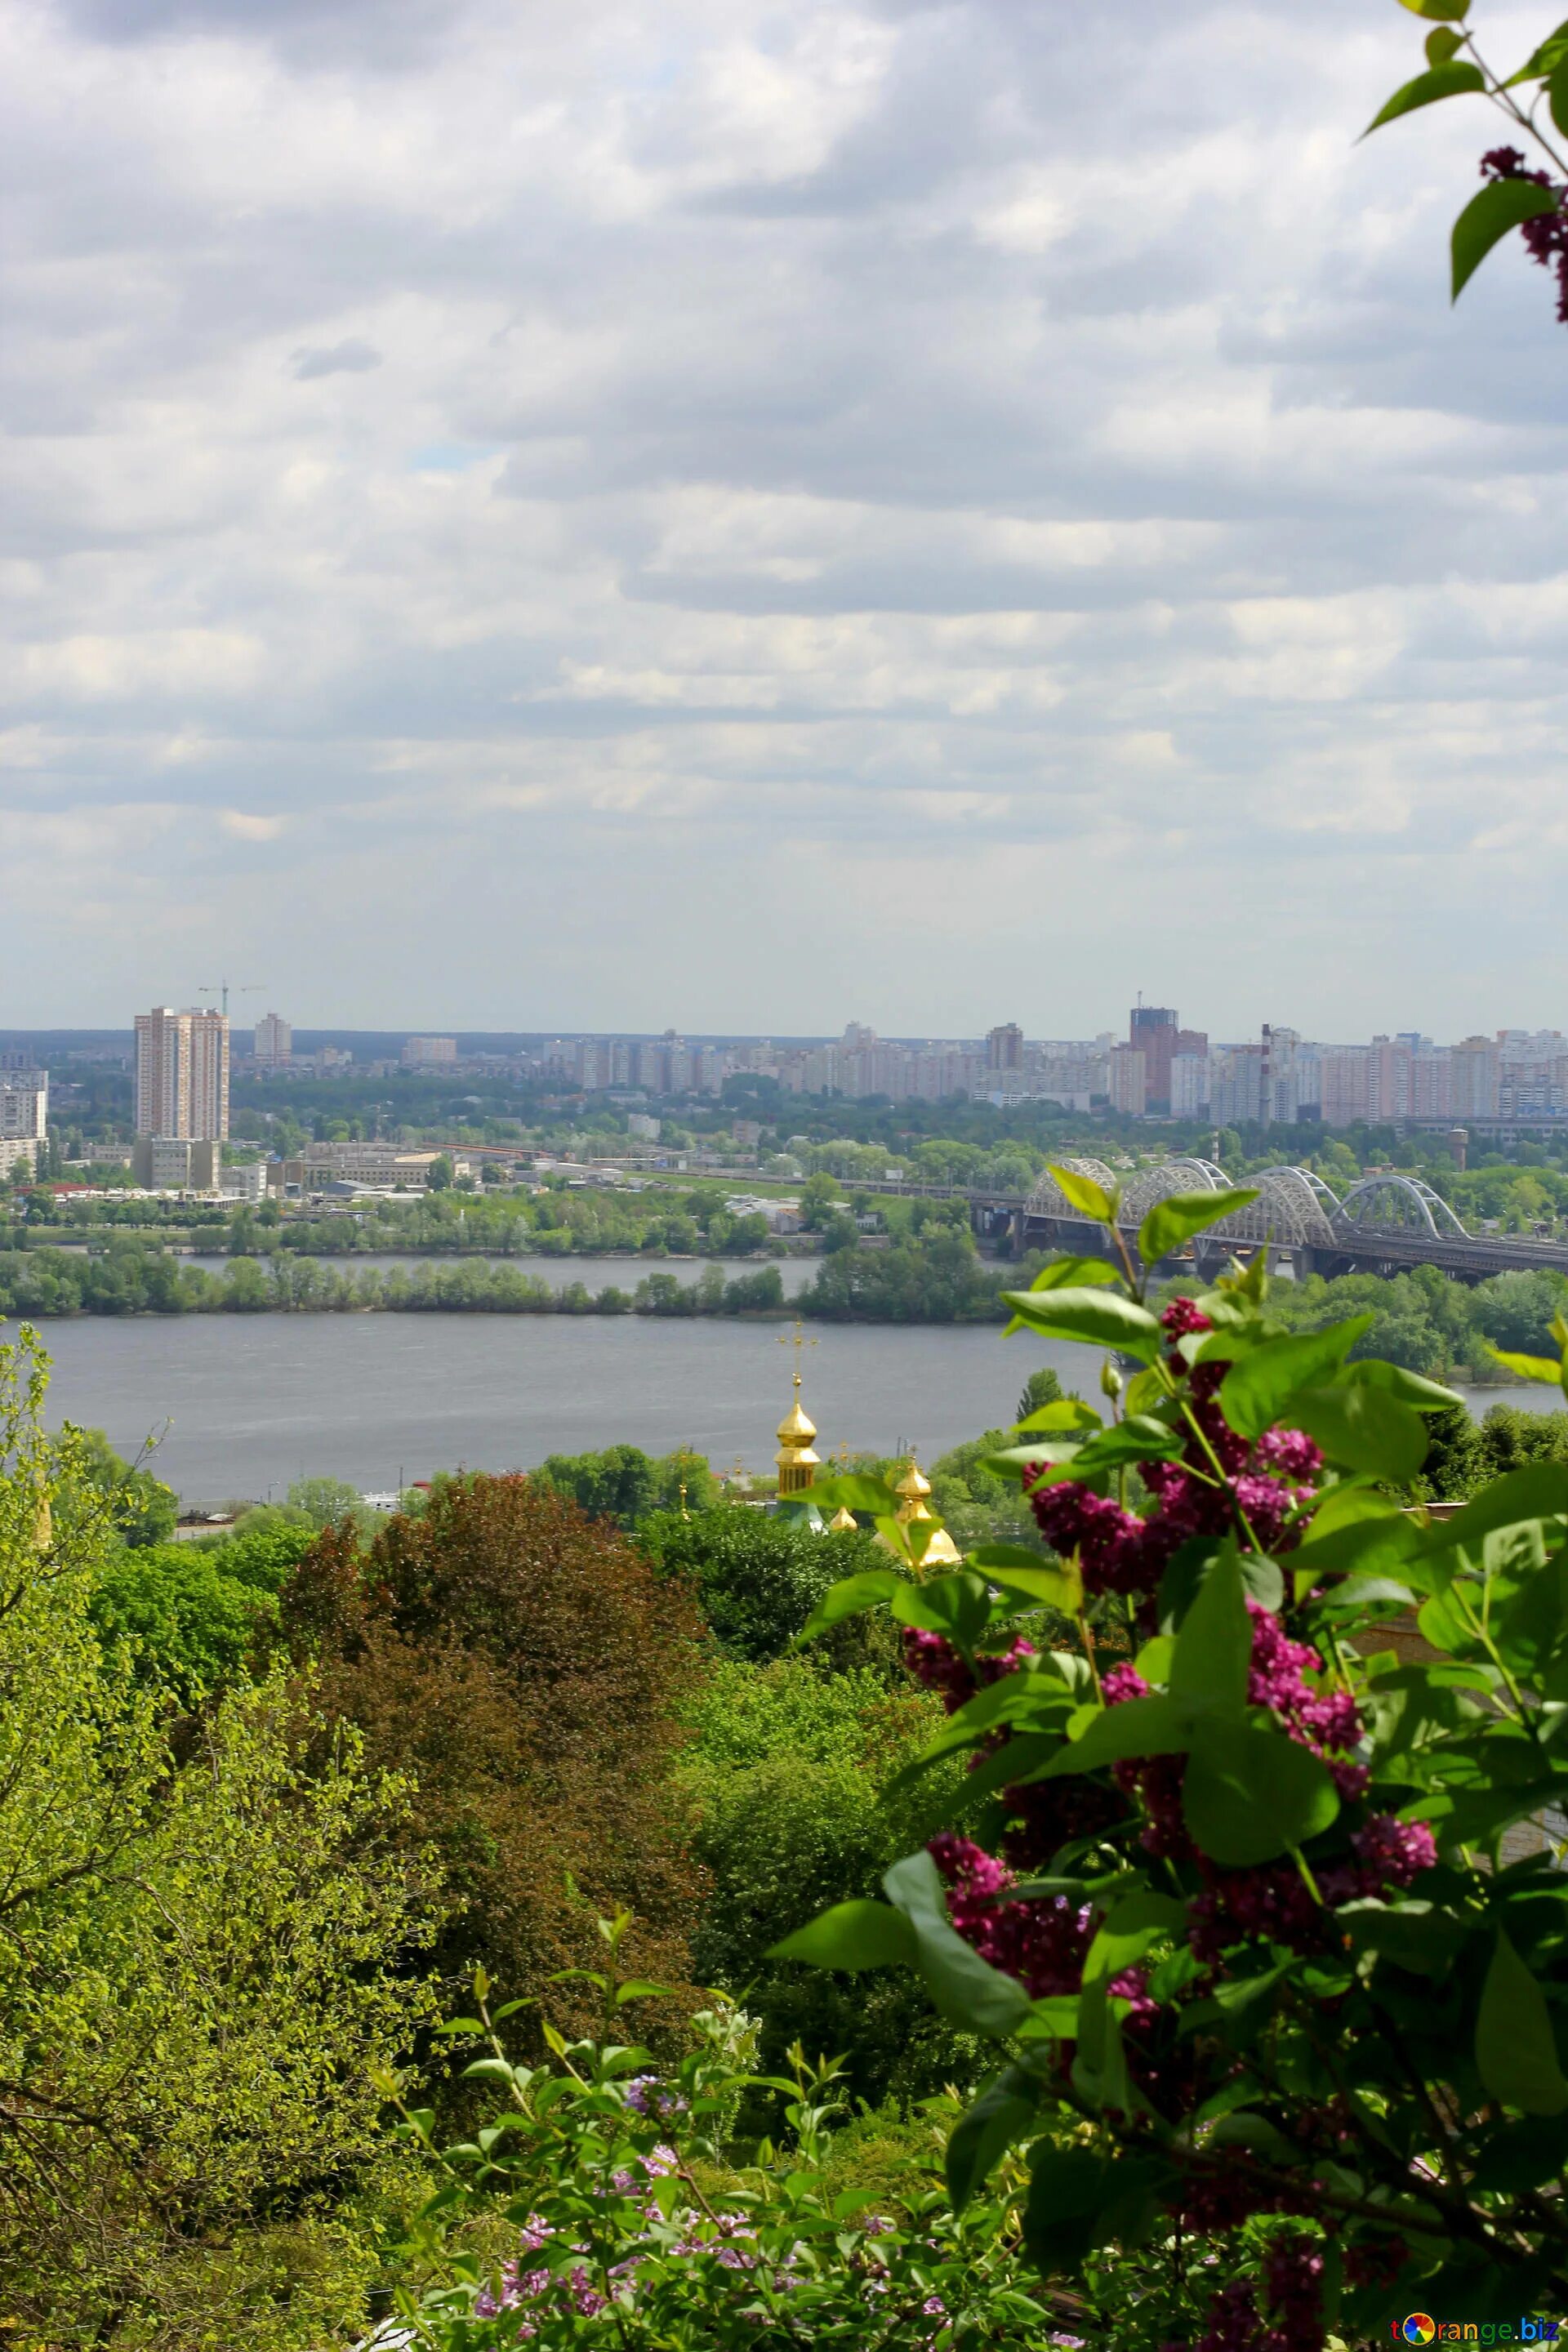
column 248, row 1403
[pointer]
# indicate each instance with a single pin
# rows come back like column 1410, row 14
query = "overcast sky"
column 745, row 513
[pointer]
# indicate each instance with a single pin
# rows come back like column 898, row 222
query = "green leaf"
column 851, row 1597
column 1084, row 1193
column 1526, row 1368
column 1063, row 1271
column 1411, row 1388
column 1080, row 2199
column 1363, row 1547
column 1442, row 45
column 1362, row 1429
column 1543, row 61
column 1254, row 1391
column 1098, row 1318
column 1501, row 205
column 1136, row 1922
column 1063, row 1413
column 958, row 1606
column 967, row 1990
column 1457, row 79
column 1056, row 1588
column 851, row 1936
column 1191, row 1562
column 1180, row 1215
column 1248, row 1795
column 1516, row 2050
column 852, row 1491
column 1442, row 12
column 1214, row 1649
column 1539, row 1491
column 1067, row 2191
column 1006, row 2111
column 1139, row 1438
column 1139, row 1727
column 1557, row 94
column 1366, row 1593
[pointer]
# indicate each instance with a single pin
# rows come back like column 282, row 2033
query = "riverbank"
column 915, row 1283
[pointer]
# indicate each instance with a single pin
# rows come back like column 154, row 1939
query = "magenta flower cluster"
column 1293, row 2293
column 1223, row 1484
column 1545, row 237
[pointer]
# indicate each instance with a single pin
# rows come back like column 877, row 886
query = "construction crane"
column 221, row 988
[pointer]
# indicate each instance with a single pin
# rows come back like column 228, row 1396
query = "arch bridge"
column 1386, row 1223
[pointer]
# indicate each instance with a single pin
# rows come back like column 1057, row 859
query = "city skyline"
column 938, row 501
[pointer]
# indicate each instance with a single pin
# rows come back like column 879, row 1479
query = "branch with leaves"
column 1535, row 202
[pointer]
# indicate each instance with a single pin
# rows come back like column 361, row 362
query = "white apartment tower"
column 181, row 1074
column 24, row 1118
column 274, row 1041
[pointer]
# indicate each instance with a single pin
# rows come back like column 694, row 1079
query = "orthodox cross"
column 797, row 1342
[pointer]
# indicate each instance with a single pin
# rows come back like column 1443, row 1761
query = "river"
column 250, row 1402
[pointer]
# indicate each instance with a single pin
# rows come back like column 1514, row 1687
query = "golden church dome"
column 941, row 1552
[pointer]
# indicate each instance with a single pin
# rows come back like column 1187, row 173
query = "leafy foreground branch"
column 1533, row 102
column 1228, row 1883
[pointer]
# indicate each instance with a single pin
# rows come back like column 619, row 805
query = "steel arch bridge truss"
column 1048, row 1199
column 1392, row 1203
column 1294, row 1208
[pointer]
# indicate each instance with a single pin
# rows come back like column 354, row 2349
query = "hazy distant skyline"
column 741, row 515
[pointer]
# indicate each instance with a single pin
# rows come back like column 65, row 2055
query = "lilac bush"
column 1244, row 1890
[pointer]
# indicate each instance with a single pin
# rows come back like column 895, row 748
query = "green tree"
column 139, row 1507
column 528, row 1668
column 1042, row 1388
column 324, row 1500
column 756, row 1578
column 623, row 1484
column 818, row 1200
column 439, row 1178
column 207, row 1950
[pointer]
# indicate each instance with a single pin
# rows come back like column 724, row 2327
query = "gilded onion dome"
column 798, row 1462
column 843, row 1521
column 913, row 1488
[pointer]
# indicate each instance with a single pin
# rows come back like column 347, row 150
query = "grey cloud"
column 349, row 357
column 807, row 339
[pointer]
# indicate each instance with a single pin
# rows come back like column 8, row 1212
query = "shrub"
column 1261, row 1919
column 784, row 1785
column 624, row 2206
column 757, row 1577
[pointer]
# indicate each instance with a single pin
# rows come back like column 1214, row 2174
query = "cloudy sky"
column 747, row 513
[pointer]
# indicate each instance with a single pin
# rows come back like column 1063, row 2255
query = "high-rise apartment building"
column 1005, row 1047
column 1129, row 1084
column 181, row 1074
column 24, row 1118
column 1476, row 1062
column 274, row 1041
column 422, row 1053
column 1152, row 1031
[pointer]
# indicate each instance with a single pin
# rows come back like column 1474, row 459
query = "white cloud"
column 628, row 489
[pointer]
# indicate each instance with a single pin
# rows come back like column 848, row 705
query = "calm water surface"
column 254, row 1401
